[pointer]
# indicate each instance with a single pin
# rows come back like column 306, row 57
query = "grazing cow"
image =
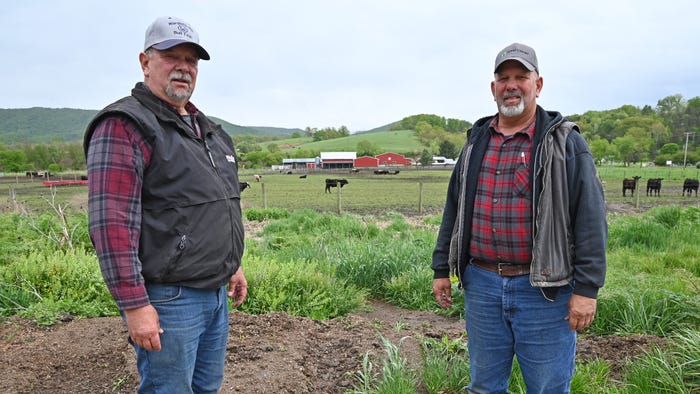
column 690, row 185
column 381, row 172
column 257, row 177
column 335, row 183
column 243, row 185
column 355, row 170
column 629, row 184
column 654, row 186
column 302, row 176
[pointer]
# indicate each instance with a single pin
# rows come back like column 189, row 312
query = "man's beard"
column 511, row 110
column 181, row 95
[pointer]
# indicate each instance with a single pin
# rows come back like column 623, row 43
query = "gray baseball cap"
column 166, row 32
column 520, row 52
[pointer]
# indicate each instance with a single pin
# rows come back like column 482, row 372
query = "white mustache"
column 179, row 75
column 512, row 94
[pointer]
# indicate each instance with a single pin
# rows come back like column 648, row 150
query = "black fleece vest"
column 191, row 229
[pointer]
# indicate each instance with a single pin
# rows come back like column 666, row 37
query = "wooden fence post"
column 264, row 195
column 420, row 198
column 340, row 198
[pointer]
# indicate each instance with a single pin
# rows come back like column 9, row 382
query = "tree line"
column 668, row 132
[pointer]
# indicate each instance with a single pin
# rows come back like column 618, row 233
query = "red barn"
column 393, row 159
column 366, row 161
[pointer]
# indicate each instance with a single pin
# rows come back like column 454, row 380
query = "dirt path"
column 272, row 353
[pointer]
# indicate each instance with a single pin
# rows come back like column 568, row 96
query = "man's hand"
column 144, row 327
column 238, row 288
column 581, row 312
column 442, row 289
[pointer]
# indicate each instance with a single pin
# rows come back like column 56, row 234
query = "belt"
column 504, row 269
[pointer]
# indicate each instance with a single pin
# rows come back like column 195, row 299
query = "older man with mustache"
column 524, row 233
column 165, row 217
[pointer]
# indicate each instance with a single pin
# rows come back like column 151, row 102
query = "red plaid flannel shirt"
column 502, row 220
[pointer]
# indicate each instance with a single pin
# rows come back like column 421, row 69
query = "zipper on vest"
column 211, row 158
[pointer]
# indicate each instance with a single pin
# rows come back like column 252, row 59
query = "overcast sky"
column 359, row 63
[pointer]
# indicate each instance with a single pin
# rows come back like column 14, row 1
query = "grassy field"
column 365, row 192
column 399, row 141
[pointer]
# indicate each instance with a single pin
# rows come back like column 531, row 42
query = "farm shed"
column 393, row 159
column 301, row 163
column 366, row 161
column 331, row 160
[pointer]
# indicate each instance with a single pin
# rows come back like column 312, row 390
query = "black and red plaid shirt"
column 502, row 220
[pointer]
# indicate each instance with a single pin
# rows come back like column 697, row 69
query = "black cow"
column 381, row 172
column 243, row 185
column 654, row 186
column 629, row 184
column 690, row 185
column 302, row 176
column 335, row 183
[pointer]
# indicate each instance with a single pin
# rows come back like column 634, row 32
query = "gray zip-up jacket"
column 569, row 216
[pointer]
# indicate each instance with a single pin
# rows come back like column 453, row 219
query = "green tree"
column 625, row 145
column 13, row 160
column 426, row 158
column 672, row 110
column 669, row 149
column 448, row 149
column 366, row 148
column 600, row 148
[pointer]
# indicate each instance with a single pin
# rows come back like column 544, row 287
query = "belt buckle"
column 500, row 269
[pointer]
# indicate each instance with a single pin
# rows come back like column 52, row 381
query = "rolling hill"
column 397, row 141
column 44, row 125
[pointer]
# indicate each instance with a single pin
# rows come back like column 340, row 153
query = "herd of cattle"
column 654, row 186
column 329, row 183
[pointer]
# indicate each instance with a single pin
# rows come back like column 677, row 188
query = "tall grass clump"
column 304, row 288
column 651, row 311
column 653, row 266
column 445, row 365
column 375, row 254
column 395, row 377
column 258, row 215
column 45, row 285
column 674, row 368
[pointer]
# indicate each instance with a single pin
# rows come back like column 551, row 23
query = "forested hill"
column 44, row 125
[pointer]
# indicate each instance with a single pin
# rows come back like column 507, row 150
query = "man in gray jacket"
column 524, row 230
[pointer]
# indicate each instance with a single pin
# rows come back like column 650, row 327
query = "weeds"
column 322, row 266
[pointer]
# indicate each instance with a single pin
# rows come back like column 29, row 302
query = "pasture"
column 413, row 191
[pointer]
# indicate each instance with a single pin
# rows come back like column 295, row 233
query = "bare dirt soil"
column 271, row 353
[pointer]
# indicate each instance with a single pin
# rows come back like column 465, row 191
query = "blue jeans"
column 506, row 317
column 193, row 353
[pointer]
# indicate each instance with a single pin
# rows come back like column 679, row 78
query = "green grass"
column 398, row 141
column 308, row 262
column 365, row 193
